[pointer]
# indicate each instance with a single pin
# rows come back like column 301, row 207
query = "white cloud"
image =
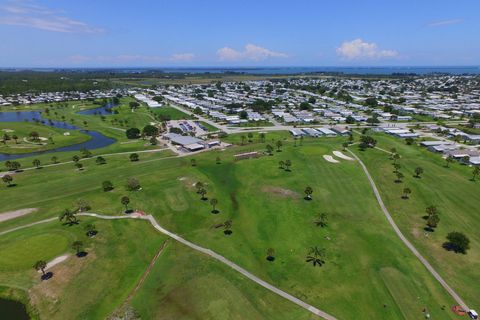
column 251, row 52
column 182, row 57
column 445, row 22
column 28, row 14
column 359, row 49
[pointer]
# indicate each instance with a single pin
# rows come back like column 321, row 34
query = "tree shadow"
column 307, row 198
column 46, row 276
column 128, row 211
column 204, row 198
column 452, row 247
column 405, row 197
column 425, row 217
column 429, row 229
column 215, row 211
column 81, row 254
column 11, row 185
column 270, row 258
column 228, row 232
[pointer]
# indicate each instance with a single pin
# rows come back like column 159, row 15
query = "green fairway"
column 450, row 189
column 365, row 262
column 170, row 113
column 48, row 137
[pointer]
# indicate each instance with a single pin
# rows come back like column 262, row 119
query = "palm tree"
column 134, row 157
column 406, row 192
column 7, row 179
column 40, row 265
column 281, row 164
column 15, row 138
column 396, row 167
column 250, row 137
column 344, row 146
column 269, row 149
column 288, row 164
column 432, row 221
column 90, row 230
column 418, row 172
column 399, row 177
column 193, row 162
column 431, row 210
column 125, row 201
column 218, row 160
column 301, row 140
column 262, row 137
column 449, row 160
column 203, row 192
column 270, row 254
column 475, row 173
column 227, row 225
column 77, row 246
column 36, row 163
column 75, row 158
column 308, row 192
column 69, row 217
column 214, row 202
column 279, row 145
column 79, row 166
column 316, row 256
column 199, row 186
column 54, row 159
column 395, row 157
column 83, row 205
column 100, row 160
column 321, row 220
column 243, row 139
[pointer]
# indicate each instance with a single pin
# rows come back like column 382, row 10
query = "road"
column 409, row 245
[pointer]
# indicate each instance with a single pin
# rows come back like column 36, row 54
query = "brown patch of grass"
column 46, row 294
column 281, row 192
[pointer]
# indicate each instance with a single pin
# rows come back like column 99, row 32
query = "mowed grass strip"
column 450, row 190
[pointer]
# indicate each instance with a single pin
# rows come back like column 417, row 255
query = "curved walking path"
column 222, row 259
column 409, row 245
column 193, row 246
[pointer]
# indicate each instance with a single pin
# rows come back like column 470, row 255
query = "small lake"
column 12, row 310
column 96, row 141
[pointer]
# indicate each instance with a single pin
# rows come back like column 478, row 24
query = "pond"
column 96, row 141
column 14, row 310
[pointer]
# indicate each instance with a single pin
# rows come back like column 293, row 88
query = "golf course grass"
column 368, row 272
column 450, row 190
column 49, row 137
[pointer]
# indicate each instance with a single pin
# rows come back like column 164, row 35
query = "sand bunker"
column 342, row 156
column 15, row 214
column 329, row 158
column 55, row 261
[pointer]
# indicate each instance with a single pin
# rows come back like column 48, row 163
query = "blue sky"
column 107, row 33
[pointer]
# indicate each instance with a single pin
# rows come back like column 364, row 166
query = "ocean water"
column 305, row 70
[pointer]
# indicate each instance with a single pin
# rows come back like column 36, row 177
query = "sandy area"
column 15, row 214
column 342, row 156
column 56, row 261
column 329, row 158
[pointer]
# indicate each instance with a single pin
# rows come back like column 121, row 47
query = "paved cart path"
column 405, row 240
column 200, row 249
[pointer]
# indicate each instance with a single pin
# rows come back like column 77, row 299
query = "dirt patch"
column 15, row 214
column 286, row 193
column 49, row 292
